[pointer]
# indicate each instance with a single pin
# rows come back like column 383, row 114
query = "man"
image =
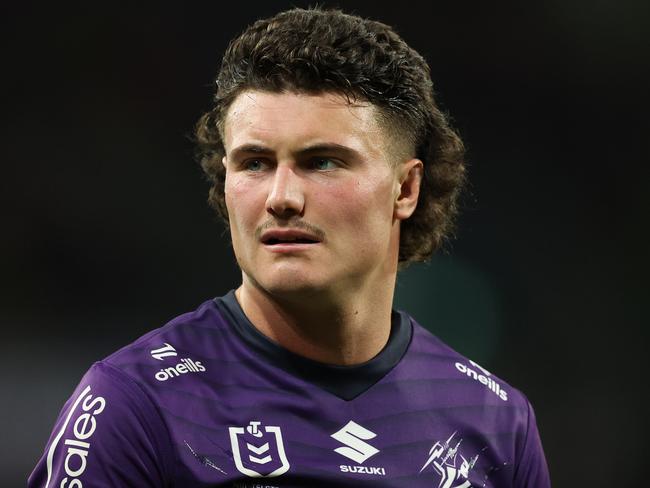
column 332, row 166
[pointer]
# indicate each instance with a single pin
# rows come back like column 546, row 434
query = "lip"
column 288, row 235
column 289, row 248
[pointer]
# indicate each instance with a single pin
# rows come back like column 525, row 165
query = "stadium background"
column 106, row 233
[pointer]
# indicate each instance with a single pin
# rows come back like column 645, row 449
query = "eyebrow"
column 330, row 147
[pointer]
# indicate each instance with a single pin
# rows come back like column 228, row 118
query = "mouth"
column 288, row 239
column 300, row 240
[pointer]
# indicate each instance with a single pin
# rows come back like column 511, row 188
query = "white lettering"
column 82, row 453
column 76, row 459
column 73, row 484
column 185, row 366
column 484, row 380
column 87, row 406
column 76, row 443
column 171, row 372
column 363, row 470
column 81, row 432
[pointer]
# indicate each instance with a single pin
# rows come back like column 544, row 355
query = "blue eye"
column 254, row 165
column 324, row 164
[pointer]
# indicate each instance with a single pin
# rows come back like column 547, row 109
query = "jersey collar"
column 346, row 382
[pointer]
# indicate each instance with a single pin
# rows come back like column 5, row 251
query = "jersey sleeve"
column 108, row 434
column 532, row 470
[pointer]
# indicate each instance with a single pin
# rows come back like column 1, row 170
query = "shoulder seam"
column 520, row 454
column 132, row 381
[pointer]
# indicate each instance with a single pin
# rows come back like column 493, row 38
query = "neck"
column 335, row 330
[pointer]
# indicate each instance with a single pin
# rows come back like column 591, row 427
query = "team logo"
column 258, row 452
column 451, row 472
column 354, row 436
column 164, row 352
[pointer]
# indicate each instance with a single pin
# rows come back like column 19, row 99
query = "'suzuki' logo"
column 484, row 379
column 164, row 352
column 353, row 436
column 77, row 440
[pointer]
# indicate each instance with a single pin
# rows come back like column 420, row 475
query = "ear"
column 223, row 161
column 407, row 186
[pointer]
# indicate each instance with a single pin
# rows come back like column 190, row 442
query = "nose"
column 286, row 197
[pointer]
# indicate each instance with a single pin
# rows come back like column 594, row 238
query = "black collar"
column 346, row 382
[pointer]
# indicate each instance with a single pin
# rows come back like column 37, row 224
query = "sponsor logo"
column 240, row 484
column 484, row 377
column 78, row 443
column 443, row 460
column 258, row 452
column 362, row 469
column 186, row 365
column 164, row 352
column 354, row 436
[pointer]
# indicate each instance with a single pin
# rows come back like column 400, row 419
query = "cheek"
column 363, row 204
column 241, row 200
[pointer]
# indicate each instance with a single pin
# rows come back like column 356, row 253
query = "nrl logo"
column 258, row 452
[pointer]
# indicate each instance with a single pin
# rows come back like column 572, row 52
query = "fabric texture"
column 207, row 401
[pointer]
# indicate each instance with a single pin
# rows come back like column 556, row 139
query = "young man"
column 332, row 166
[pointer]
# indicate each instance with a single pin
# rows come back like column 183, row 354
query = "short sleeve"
column 532, row 470
column 108, row 434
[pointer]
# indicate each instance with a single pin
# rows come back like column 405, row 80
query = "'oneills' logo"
column 186, row 365
column 484, row 378
column 163, row 352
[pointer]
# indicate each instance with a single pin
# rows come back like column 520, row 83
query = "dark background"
column 106, row 232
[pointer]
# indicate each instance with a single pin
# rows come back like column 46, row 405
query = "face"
column 312, row 195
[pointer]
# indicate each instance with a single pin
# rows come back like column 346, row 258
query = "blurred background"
column 106, row 232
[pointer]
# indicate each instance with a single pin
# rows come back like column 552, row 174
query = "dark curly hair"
column 317, row 51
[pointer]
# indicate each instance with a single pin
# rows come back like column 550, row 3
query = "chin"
column 291, row 283
column 292, row 286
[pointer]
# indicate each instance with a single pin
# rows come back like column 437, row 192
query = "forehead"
column 297, row 118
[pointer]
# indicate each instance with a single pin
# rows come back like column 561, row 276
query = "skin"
column 321, row 165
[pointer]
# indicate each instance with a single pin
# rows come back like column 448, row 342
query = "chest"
column 252, row 436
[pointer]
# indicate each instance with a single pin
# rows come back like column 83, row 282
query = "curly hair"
column 320, row 51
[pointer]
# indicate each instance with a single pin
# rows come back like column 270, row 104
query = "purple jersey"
column 207, row 400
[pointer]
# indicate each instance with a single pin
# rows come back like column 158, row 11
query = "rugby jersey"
column 208, row 401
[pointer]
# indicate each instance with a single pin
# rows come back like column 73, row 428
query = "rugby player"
column 333, row 167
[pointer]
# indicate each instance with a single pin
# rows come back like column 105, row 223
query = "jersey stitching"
column 520, row 454
column 124, row 376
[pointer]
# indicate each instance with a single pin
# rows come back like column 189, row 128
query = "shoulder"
column 106, row 410
column 458, row 368
column 118, row 401
column 484, row 400
column 180, row 344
